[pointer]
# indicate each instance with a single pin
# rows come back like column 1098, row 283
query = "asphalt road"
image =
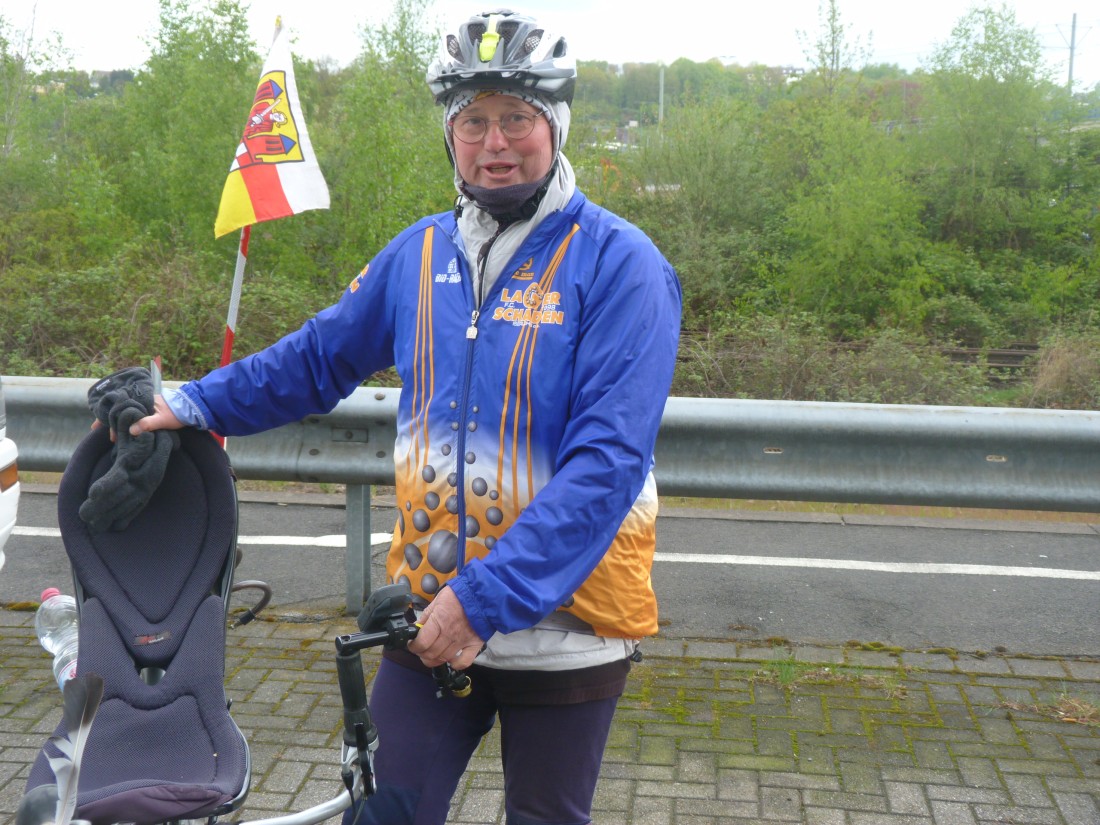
column 1016, row 587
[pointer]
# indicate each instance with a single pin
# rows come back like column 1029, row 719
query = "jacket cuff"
column 469, row 604
column 186, row 408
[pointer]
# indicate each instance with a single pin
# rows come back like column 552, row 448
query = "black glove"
column 122, row 492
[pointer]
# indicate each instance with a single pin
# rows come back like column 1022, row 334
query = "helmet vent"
column 474, row 31
column 453, row 49
column 559, row 48
column 532, row 41
column 507, row 30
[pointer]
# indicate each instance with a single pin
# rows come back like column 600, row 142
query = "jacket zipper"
column 471, row 338
column 460, row 478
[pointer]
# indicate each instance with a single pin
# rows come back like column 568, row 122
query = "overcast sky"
column 114, row 33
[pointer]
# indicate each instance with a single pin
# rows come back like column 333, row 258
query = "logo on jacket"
column 451, row 276
column 529, row 307
column 526, row 271
column 354, row 285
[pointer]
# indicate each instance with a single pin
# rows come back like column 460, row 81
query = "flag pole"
column 235, row 296
column 234, row 305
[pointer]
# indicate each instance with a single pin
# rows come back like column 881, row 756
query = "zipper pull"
column 471, row 331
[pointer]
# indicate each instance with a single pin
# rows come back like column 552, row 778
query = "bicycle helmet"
column 504, row 48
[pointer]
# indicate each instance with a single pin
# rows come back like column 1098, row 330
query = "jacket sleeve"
column 310, row 370
column 623, row 370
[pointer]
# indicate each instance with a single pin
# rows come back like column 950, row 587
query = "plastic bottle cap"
column 50, row 592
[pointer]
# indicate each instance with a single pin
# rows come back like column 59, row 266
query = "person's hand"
column 162, row 419
column 445, row 634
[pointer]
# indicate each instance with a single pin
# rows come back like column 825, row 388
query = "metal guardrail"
column 995, row 457
column 353, row 444
column 1018, row 459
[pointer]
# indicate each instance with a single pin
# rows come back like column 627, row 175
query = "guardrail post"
column 357, row 557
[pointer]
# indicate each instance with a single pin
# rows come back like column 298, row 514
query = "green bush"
column 1067, row 372
column 142, row 304
column 793, row 359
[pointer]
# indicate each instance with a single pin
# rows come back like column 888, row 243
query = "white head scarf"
column 555, row 110
column 475, row 226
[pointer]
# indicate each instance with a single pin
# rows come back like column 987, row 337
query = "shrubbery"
column 833, row 233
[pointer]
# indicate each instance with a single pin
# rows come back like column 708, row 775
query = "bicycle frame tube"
column 310, row 816
column 318, row 813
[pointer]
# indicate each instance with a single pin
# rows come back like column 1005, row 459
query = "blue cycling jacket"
column 526, row 425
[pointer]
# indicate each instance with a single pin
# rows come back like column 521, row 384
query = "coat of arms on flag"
column 271, row 135
column 274, row 171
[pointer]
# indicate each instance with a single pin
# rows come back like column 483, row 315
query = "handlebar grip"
column 353, row 693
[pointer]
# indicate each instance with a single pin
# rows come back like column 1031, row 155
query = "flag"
column 274, row 172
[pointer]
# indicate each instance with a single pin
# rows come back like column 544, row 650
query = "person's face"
column 497, row 160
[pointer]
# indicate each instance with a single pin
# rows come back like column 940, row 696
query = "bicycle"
column 153, row 599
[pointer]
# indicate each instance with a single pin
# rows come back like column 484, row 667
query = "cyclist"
column 535, row 334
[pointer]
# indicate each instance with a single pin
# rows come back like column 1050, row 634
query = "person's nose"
column 495, row 139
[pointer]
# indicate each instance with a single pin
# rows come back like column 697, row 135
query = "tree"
column 51, row 207
column 22, row 57
column 641, row 88
column 853, row 229
column 382, row 150
column 989, row 141
column 181, row 119
column 832, row 55
column 700, row 190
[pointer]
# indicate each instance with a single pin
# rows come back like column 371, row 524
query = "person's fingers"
column 432, row 644
column 445, row 634
column 140, row 426
column 96, row 424
column 463, row 658
column 162, row 418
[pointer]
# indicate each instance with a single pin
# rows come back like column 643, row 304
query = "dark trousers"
column 550, row 754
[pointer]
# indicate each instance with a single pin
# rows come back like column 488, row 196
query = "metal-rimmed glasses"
column 514, row 126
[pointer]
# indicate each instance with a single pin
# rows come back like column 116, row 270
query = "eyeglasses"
column 514, row 126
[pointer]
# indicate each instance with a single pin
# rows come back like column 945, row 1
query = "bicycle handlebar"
column 353, row 693
column 398, row 633
column 382, row 623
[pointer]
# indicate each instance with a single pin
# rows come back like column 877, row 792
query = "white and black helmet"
column 502, row 47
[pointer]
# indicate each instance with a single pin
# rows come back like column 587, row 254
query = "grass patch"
column 787, row 672
column 1064, row 708
column 784, row 672
column 895, row 510
column 244, row 485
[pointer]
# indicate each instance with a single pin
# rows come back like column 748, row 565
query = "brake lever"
column 383, row 622
column 447, row 678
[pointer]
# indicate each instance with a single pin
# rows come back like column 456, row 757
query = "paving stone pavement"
column 708, row 733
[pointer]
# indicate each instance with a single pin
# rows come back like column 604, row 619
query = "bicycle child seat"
column 153, row 599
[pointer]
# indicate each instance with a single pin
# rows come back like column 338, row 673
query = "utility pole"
column 661, row 97
column 1072, row 44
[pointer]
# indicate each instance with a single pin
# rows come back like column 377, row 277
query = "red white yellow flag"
column 275, row 172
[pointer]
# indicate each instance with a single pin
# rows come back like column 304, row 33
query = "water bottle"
column 56, row 625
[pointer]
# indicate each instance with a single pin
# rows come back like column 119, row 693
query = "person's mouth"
column 498, row 169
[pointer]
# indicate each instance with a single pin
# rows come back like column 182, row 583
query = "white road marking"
column 924, row 568
column 882, row 566
column 311, row 541
column 281, row 541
